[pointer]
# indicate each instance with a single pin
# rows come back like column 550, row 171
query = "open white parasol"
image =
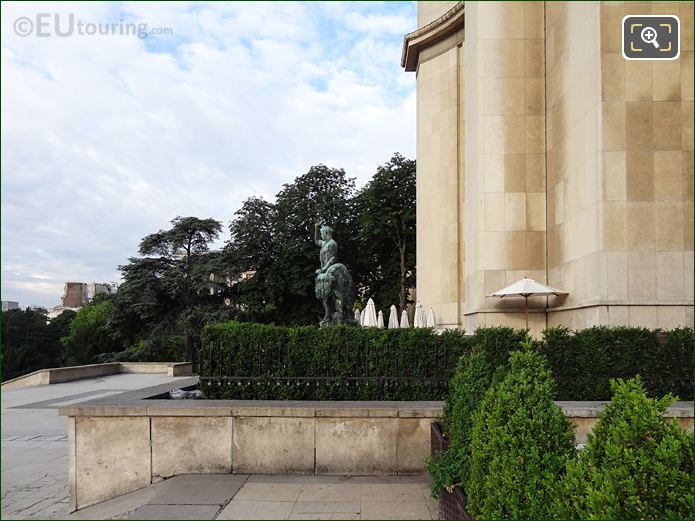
column 527, row 288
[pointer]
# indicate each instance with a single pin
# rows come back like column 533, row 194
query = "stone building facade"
column 74, row 295
column 542, row 152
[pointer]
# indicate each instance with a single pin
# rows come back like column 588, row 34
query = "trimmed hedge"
column 520, row 444
column 584, row 361
column 636, row 464
column 254, row 361
column 477, row 371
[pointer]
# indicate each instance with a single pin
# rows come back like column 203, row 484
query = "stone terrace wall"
column 121, row 443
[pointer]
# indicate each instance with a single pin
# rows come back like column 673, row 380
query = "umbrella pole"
column 526, row 309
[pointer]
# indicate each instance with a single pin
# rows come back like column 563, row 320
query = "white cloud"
column 107, row 138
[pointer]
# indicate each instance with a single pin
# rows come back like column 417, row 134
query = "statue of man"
column 329, row 248
column 333, row 282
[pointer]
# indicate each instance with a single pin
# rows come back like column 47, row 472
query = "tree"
column 89, row 334
column 29, row 342
column 169, row 289
column 387, row 235
column 276, row 242
column 252, row 249
column 60, row 325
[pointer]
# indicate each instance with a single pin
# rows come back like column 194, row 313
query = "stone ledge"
column 57, row 375
column 140, row 403
column 428, row 35
column 573, row 409
column 160, row 438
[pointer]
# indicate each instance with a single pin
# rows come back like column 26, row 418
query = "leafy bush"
column 636, row 464
column 255, row 361
column 475, row 373
column 520, row 443
column 168, row 348
column 584, row 361
column 30, row 342
column 89, row 334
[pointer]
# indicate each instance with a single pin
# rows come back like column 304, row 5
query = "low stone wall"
column 584, row 415
column 120, row 443
column 119, row 447
column 56, row 375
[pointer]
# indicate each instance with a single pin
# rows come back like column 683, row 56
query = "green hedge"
column 254, row 361
column 477, row 371
column 584, row 361
column 636, row 464
column 520, row 444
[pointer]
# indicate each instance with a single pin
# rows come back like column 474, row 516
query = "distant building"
column 97, row 288
column 8, row 305
column 58, row 310
column 74, row 295
column 77, row 294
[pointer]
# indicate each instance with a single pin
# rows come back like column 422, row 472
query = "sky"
column 107, row 137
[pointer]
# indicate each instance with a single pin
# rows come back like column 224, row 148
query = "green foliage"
column 520, row 444
column 30, row 342
column 584, row 361
column 374, row 229
column 275, row 241
column 476, row 372
column 636, row 464
column 89, row 334
column 386, row 208
column 169, row 292
column 336, row 363
column 171, row 348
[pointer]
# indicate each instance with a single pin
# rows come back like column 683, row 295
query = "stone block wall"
column 114, row 450
column 542, row 152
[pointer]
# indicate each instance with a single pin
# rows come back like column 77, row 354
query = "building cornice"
column 413, row 43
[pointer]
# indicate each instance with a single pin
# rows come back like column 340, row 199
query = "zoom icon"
column 651, row 37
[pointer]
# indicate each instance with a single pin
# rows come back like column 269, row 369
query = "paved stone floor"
column 34, row 476
column 229, row 496
column 33, row 441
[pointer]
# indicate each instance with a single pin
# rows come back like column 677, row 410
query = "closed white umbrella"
column 369, row 314
column 527, row 288
column 430, row 319
column 380, row 320
column 393, row 318
column 419, row 319
column 358, row 316
column 405, row 323
column 362, row 317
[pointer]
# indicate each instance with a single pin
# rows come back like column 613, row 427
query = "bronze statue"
column 333, row 282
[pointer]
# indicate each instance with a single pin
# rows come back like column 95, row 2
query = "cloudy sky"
column 105, row 138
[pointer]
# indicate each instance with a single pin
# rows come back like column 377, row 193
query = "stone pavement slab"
column 199, row 489
column 337, row 497
column 34, row 446
column 395, row 510
column 257, row 510
column 330, row 492
column 233, row 496
column 269, row 492
column 175, row 512
column 341, row 515
column 324, row 507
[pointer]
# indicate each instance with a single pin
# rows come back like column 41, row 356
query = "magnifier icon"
column 648, row 35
